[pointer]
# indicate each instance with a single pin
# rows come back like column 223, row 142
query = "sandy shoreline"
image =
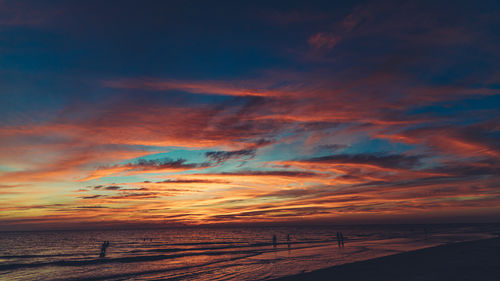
column 474, row 260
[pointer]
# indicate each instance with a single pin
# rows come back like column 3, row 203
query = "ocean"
column 235, row 253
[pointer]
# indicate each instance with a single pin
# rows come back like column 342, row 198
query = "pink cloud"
column 323, row 41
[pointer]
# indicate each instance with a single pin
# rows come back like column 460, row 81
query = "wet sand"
column 474, row 261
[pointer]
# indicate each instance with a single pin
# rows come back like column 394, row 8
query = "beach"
column 474, row 260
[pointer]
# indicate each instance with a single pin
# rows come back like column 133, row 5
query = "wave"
column 231, row 246
column 37, row 256
column 182, row 268
column 129, row 259
column 120, row 259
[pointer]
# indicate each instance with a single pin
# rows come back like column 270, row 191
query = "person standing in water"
column 338, row 238
column 288, row 240
column 275, row 240
column 104, row 246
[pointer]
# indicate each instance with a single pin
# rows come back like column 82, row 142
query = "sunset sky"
column 121, row 113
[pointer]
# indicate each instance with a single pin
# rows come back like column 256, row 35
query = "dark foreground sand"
column 475, row 261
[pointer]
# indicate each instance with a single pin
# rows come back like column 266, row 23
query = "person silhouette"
column 338, row 238
column 288, row 240
column 275, row 240
column 342, row 238
column 104, row 246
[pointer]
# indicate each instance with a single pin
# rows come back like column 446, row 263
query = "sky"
column 168, row 113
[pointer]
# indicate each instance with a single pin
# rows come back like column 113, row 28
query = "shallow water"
column 211, row 253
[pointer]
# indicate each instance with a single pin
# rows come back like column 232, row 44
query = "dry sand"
column 474, row 261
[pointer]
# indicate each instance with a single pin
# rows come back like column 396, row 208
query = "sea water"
column 235, row 253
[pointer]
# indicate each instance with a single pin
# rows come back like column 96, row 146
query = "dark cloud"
column 124, row 195
column 91, row 197
column 145, row 195
column 379, row 159
column 146, row 166
column 222, row 156
column 164, row 163
column 280, row 173
column 174, row 181
column 110, row 187
column 332, row 147
column 263, row 142
column 246, row 154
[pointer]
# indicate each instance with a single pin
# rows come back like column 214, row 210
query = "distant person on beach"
column 288, row 240
column 342, row 238
column 275, row 240
column 338, row 238
column 104, row 246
